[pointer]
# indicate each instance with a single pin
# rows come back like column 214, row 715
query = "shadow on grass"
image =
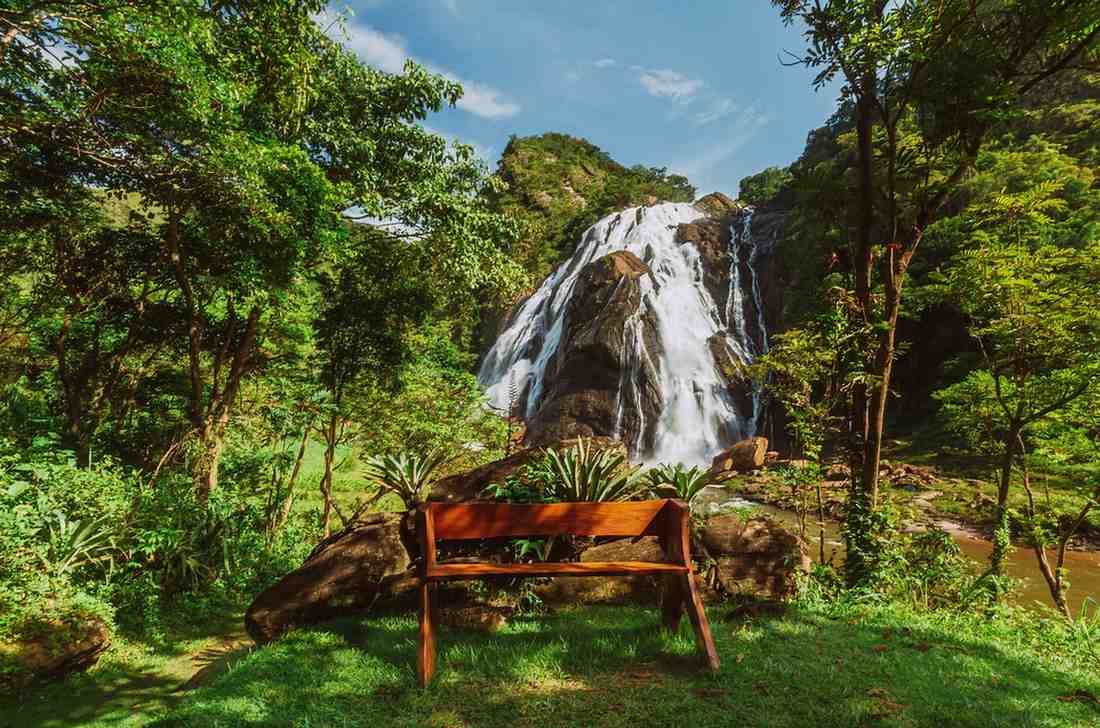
column 613, row 667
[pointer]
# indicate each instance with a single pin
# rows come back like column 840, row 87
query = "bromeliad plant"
column 687, row 482
column 586, row 473
column 407, row 475
column 71, row 544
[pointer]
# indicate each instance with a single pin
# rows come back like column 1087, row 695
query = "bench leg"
column 425, row 657
column 699, row 620
column 672, row 603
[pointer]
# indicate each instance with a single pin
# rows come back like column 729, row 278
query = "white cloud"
column 666, row 83
column 718, row 109
column 605, row 63
column 484, row 101
column 388, row 53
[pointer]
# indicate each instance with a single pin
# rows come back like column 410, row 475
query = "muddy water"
column 1083, row 566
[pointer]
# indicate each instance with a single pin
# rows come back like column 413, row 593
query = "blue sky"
column 696, row 86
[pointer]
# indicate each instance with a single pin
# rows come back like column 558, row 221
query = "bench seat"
column 667, row 520
column 572, row 568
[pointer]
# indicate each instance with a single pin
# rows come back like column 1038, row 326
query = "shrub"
column 687, row 482
column 585, row 473
column 406, row 474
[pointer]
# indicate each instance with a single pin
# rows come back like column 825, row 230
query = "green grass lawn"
column 612, row 666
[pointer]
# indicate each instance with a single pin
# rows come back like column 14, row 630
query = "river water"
column 1083, row 566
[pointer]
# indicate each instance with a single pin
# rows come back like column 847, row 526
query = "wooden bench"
column 665, row 519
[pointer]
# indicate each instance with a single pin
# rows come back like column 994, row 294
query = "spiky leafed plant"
column 409, row 475
column 687, row 482
column 71, row 544
column 586, row 473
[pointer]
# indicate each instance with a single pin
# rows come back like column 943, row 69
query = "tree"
column 926, row 81
column 373, row 297
column 763, row 186
column 243, row 133
column 1031, row 306
column 807, row 370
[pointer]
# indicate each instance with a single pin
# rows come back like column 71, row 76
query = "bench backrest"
column 494, row 520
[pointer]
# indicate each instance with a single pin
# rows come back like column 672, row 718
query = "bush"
column 585, row 473
column 687, row 482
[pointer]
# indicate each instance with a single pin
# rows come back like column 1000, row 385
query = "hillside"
column 558, row 185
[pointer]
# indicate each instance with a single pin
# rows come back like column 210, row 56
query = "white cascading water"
column 745, row 346
column 698, row 417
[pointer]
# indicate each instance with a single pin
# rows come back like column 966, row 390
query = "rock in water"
column 758, row 556
column 345, row 572
column 604, row 330
column 747, row 455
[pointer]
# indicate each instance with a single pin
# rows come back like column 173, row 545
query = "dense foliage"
column 232, row 260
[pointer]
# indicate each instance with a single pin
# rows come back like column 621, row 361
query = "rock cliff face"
column 645, row 333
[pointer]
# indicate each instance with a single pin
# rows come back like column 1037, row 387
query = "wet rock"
column 585, row 376
column 718, row 204
column 744, row 456
column 711, row 237
column 346, row 572
column 53, row 649
column 758, row 556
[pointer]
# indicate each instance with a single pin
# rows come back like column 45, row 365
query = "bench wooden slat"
column 495, row 520
column 577, row 568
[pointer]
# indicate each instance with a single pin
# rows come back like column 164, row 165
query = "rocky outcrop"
column 758, row 556
column 471, row 484
column 52, row 650
column 711, row 235
column 346, row 572
column 582, row 400
column 742, row 457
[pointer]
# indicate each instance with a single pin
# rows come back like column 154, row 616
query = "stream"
column 1083, row 566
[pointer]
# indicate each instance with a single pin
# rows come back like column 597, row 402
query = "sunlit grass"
column 614, row 667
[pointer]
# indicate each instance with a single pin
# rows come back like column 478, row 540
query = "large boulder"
column 749, row 454
column 471, row 484
column 757, row 556
column 52, row 649
column 597, row 346
column 642, row 589
column 347, row 571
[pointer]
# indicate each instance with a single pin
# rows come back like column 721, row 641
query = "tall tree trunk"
column 287, row 505
column 204, row 468
column 1002, row 535
column 860, row 541
column 326, row 480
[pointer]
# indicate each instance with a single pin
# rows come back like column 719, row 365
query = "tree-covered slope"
column 558, row 185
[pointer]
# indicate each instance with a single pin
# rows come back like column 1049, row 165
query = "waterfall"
column 746, row 347
column 698, row 415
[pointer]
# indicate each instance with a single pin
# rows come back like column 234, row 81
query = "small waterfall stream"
column 698, row 415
